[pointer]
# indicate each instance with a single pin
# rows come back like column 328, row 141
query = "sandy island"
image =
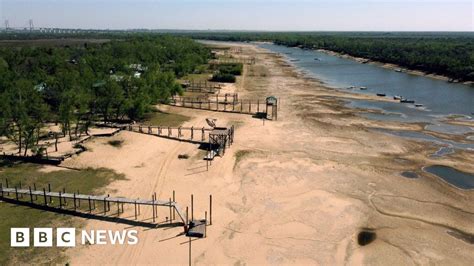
column 293, row 191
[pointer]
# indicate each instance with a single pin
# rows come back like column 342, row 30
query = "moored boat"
column 381, row 94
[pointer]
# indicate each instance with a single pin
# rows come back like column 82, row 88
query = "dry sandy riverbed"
column 300, row 193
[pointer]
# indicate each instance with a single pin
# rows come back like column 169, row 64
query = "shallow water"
column 440, row 99
column 425, row 137
column 409, row 174
column 457, row 178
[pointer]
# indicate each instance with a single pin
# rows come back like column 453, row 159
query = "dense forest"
column 449, row 54
column 75, row 85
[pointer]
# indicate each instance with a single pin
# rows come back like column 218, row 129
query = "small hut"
column 272, row 103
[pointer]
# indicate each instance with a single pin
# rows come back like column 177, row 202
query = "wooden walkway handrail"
column 72, row 196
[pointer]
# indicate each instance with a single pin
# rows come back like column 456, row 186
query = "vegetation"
column 227, row 72
column 449, row 54
column 85, row 181
column 222, row 77
column 75, row 85
column 166, row 119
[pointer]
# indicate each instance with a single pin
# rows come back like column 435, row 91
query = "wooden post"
column 56, row 142
column 105, row 205
column 16, row 193
column 209, row 104
column 192, row 133
column 64, row 191
column 31, row 195
column 34, row 188
column 241, row 106
column 210, row 209
column 45, row 199
column 258, row 106
column 6, row 183
column 90, row 207
column 136, row 216
column 156, row 207
column 174, row 200
column 190, row 252
column 60, row 201
column 250, row 106
column 49, row 190
column 1, row 188
column 74, row 198
column 192, row 207
column 78, row 200
column 118, row 208
column 108, row 203
column 171, row 214
column 153, row 206
column 187, row 216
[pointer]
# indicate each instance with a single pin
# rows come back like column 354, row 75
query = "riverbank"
column 391, row 66
column 299, row 190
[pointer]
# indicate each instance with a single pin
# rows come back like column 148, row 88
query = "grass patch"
column 87, row 181
column 240, row 155
column 115, row 143
column 165, row 119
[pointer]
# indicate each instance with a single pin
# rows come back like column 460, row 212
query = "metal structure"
column 272, row 103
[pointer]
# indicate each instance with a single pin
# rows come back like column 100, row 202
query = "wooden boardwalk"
column 190, row 134
column 202, row 86
column 47, row 197
column 232, row 105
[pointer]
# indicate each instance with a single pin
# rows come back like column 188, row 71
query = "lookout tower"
column 272, row 103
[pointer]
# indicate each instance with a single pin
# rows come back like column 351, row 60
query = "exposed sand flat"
column 300, row 193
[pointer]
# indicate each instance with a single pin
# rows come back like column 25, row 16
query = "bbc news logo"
column 66, row 237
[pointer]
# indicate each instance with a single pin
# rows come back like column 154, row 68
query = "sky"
column 264, row 15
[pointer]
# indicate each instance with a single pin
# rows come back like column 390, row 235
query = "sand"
column 300, row 192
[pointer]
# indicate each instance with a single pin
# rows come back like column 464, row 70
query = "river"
column 440, row 99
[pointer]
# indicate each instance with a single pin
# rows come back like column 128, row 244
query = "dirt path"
column 294, row 191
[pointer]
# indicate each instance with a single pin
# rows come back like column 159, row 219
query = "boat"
column 398, row 70
column 363, row 88
column 294, row 60
column 407, row 101
column 381, row 94
column 418, row 105
column 397, row 97
column 351, row 87
column 317, row 59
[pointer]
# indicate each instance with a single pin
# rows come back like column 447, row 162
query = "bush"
column 234, row 69
column 220, row 77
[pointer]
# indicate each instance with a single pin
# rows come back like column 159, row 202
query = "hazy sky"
column 340, row 15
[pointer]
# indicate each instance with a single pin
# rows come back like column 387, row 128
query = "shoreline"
column 294, row 191
column 390, row 66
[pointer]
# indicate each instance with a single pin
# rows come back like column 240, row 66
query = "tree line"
column 448, row 54
column 74, row 86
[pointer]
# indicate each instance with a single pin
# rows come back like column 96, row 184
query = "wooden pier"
column 90, row 203
column 189, row 134
column 202, row 86
column 261, row 108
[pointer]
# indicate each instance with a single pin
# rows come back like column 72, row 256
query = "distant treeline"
column 75, row 85
column 449, row 54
